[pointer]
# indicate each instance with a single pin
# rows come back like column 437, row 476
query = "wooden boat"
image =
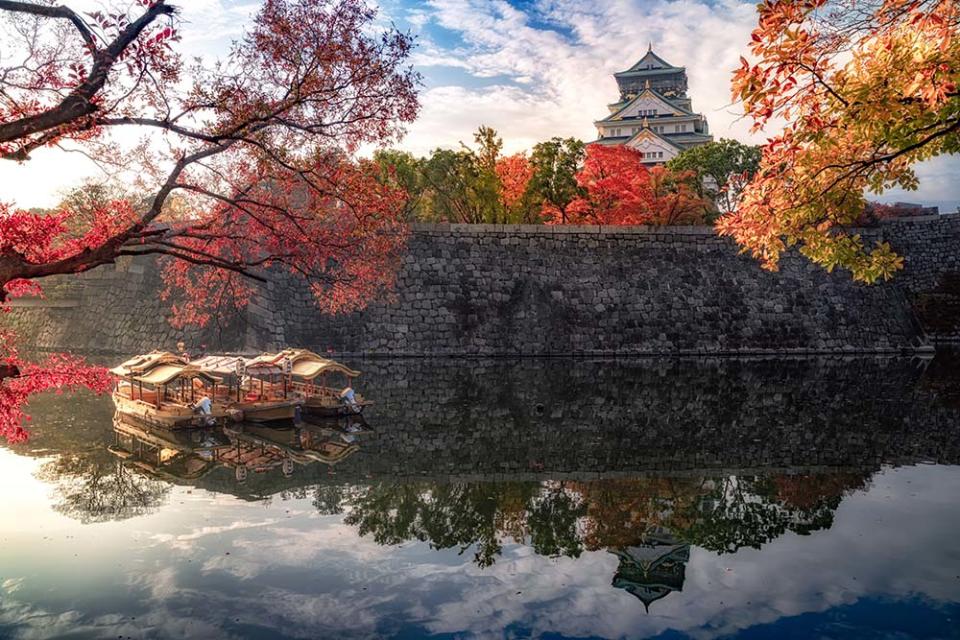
column 311, row 377
column 257, row 391
column 160, row 389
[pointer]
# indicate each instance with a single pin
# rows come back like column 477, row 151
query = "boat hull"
column 267, row 411
column 169, row 416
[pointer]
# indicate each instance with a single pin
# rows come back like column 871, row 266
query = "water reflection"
column 91, row 489
column 182, row 455
column 653, row 568
column 570, row 497
column 648, row 523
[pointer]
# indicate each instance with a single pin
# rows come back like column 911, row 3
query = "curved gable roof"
column 648, row 134
column 648, row 64
column 648, row 93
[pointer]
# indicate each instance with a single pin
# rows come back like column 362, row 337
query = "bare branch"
column 52, row 12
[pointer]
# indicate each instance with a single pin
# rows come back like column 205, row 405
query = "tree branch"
column 192, row 259
column 80, row 102
column 52, row 12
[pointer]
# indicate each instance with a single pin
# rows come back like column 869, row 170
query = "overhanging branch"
column 52, row 12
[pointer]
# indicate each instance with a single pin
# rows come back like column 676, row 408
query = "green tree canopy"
column 724, row 167
column 556, row 163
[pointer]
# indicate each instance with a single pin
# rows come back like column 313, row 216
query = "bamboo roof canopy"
column 306, row 364
column 166, row 373
column 145, row 362
column 163, row 367
column 159, row 367
column 227, row 365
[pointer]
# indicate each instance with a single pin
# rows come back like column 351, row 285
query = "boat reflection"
column 191, row 454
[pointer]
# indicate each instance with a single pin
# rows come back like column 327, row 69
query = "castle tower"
column 654, row 114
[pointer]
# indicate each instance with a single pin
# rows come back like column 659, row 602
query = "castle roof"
column 648, row 93
column 650, row 64
column 656, row 90
column 645, row 132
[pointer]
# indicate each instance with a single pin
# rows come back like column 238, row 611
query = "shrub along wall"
column 534, row 290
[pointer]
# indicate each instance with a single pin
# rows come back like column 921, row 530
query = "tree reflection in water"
column 463, row 515
column 91, row 489
column 564, row 518
column 649, row 523
column 465, row 461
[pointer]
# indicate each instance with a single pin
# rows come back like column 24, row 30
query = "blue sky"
column 532, row 69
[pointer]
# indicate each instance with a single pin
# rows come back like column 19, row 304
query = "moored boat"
column 159, row 388
column 258, row 391
column 313, row 378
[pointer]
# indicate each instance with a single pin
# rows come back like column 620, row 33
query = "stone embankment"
column 508, row 290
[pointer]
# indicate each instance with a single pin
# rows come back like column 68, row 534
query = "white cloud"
column 556, row 80
column 566, row 72
column 532, row 75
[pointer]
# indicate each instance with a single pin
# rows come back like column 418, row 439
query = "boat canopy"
column 310, row 369
column 142, row 363
column 167, row 373
column 306, row 364
column 159, row 367
column 227, row 365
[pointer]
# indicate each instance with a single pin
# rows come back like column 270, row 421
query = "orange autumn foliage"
column 867, row 89
column 257, row 152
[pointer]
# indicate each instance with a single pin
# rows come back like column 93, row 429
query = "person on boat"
column 182, row 349
column 349, row 398
column 204, row 406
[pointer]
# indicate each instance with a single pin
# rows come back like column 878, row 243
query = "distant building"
column 654, row 114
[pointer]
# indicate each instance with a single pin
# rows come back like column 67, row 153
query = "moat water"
column 790, row 498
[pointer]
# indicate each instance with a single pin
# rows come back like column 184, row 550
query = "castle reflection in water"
column 643, row 459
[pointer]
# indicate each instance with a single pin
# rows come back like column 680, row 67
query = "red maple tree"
column 258, row 145
column 514, row 172
column 622, row 190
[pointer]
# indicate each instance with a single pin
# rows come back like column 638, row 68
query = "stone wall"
column 931, row 275
column 649, row 415
column 113, row 309
column 533, row 290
